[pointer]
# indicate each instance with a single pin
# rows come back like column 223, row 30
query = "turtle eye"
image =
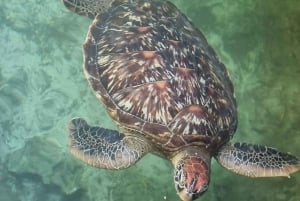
column 180, row 178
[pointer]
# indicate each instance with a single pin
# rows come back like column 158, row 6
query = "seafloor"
column 42, row 86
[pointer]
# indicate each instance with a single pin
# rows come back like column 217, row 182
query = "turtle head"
column 191, row 174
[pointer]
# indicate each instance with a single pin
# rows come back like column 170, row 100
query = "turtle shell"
column 157, row 75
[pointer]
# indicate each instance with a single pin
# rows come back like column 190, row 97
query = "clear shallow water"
column 42, row 86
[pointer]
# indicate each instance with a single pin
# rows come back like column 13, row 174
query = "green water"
column 42, row 86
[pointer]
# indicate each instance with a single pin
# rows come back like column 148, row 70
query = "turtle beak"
column 191, row 194
column 184, row 196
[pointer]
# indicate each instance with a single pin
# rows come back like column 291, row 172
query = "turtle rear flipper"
column 89, row 8
column 105, row 148
column 257, row 161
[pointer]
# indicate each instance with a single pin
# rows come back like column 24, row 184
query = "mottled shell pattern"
column 157, row 75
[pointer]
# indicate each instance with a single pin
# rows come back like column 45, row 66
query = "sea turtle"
column 169, row 94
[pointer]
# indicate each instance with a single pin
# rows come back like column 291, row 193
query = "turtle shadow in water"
column 27, row 186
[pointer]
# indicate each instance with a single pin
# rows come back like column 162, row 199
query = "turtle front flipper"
column 257, row 161
column 105, row 148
